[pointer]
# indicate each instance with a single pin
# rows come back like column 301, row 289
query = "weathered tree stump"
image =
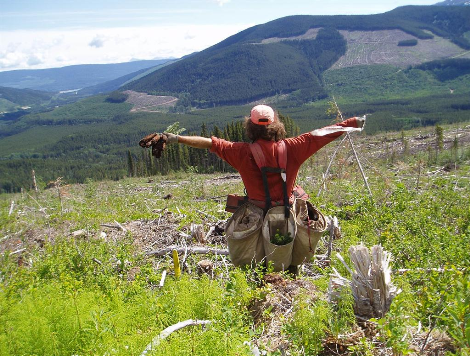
column 371, row 284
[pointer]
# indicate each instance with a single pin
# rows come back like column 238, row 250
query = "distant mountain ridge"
column 454, row 3
column 278, row 58
column 73, row 77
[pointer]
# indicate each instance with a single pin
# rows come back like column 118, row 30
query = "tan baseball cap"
column 262, row 115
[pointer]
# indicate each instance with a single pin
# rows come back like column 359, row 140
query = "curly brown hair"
column 272, row 132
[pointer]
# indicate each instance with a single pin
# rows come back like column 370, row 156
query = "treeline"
column 447, row 69
column 449, row 22
column 181, row 157
column 107, row 154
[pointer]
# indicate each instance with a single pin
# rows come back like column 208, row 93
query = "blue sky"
column 37, row 34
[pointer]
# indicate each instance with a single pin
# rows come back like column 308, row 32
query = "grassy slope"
column 7, row 106
column 98, row 309
column 384, row 82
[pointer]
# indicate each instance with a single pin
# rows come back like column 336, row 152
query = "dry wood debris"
column 371, row 283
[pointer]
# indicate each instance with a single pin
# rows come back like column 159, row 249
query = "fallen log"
column 194, row 249
column 122, row 228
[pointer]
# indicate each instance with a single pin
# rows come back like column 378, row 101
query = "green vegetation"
column 242, row 73
column 408, row 43
column 24, row 97
column 447, row 70
column 281, row 239
column 90, row 293
column 117, row 97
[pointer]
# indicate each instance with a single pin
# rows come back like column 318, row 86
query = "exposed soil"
column 149, row 103
column 381, row 47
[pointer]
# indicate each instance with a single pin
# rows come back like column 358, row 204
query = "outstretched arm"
column 351, row 124
column 193, row 141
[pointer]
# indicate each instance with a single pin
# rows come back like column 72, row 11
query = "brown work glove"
column 149, row 140
column 155, row 140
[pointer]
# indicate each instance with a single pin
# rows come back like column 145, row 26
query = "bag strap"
column 260, row 160
column 282, row 154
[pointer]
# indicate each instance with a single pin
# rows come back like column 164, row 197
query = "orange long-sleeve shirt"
column 299, row 149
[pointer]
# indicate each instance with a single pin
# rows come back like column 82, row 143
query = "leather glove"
column 361, row 121
column 171, row 138
column 155, row 140
column 158, row 147
column 150, row 140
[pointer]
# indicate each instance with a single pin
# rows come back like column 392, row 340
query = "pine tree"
column 439, row 138
column 130, row 164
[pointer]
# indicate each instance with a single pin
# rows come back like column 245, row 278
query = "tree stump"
column 371, row 283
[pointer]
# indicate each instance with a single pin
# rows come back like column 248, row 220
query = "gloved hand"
column 159, row 146
column 171, row 138
column 155, row 140
column 149, row 140
column 361, row 121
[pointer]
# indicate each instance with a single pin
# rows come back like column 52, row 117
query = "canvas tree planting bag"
column 243, row 231
column 311, row 224
column 276, row 222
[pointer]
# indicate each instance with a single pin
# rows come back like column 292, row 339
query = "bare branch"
column 167, row 332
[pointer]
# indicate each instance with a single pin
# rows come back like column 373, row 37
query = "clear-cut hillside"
column 288, row 56
column 381, row 47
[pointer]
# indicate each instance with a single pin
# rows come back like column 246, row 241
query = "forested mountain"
column 406, row 68
column 15, row 103
column 24, row 97
column 72, row 77
column 289, row 55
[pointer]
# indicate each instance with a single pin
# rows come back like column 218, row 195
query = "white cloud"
column 51, row 48
column 97, row 42
column 221, row 2
column 9, row 60
column 35, row 59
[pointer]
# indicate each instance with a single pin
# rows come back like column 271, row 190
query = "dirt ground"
column 149, row 103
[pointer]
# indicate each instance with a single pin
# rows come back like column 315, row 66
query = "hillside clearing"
column 381, row 47
column 149, row 103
